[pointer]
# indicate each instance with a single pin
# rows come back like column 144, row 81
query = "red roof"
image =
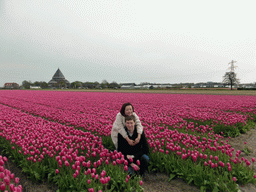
column 11, row 84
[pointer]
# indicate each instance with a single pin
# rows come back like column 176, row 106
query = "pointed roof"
column 58, row 75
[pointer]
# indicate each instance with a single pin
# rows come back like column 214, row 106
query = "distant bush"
column 246, row 88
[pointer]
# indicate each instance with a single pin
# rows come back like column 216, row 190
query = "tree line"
column 74, row 85
column 229, row 78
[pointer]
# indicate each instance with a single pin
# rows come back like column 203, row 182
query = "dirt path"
column 238, row 144
column 27, row 184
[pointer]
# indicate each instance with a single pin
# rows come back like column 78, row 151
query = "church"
column 58, row 81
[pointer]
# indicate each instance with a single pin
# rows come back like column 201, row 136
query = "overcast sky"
column 135, row 41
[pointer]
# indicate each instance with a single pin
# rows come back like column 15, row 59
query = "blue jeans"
column 144, row 160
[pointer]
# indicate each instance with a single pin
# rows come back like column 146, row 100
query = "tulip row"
column 181, row 129
column 8, row 181
column 96, row 112
column 73, row 159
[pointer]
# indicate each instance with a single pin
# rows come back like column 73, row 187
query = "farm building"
column 11, row 86
column 35, row 87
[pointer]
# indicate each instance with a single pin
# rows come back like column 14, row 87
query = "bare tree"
column 230, row 79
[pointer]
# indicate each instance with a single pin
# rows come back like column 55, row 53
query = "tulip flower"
column 66, row 163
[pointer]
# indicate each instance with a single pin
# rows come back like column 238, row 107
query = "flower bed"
column 8, row 181
column 62, row 136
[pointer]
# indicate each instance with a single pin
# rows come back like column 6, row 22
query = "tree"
column 230, row 79
column 88, row 85
column 43, row 84
column 26, row 84
column 36, row 83
column 76, row 84
column 61, row 84
column 114, row 85
column 104, row 84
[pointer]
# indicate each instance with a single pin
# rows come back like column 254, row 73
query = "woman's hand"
column 131, row 142
column 128, row 156
column 136, row 167
column 137, row 140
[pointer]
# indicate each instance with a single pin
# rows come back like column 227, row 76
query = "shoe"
column 145, row 177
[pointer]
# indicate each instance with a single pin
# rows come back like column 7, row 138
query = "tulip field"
column 64, row 137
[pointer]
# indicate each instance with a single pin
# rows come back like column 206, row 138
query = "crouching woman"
column 136, row 152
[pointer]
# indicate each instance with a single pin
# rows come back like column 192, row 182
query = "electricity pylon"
column 232, row 66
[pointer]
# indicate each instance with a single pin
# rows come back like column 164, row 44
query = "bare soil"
column 27, row 184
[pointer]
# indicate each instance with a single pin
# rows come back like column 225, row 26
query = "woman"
column 118, row 126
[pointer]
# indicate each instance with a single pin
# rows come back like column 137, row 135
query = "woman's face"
column 128, row 110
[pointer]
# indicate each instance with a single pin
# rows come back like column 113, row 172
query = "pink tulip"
column 17, row 180
column 2, row 187
column 102, row 180
column 103, row 173
column 66, row 163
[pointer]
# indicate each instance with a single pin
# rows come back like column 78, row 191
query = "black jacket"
column 137, row 150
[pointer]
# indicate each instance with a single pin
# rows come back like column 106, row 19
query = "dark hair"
column 123, row 108
column 129, row 118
